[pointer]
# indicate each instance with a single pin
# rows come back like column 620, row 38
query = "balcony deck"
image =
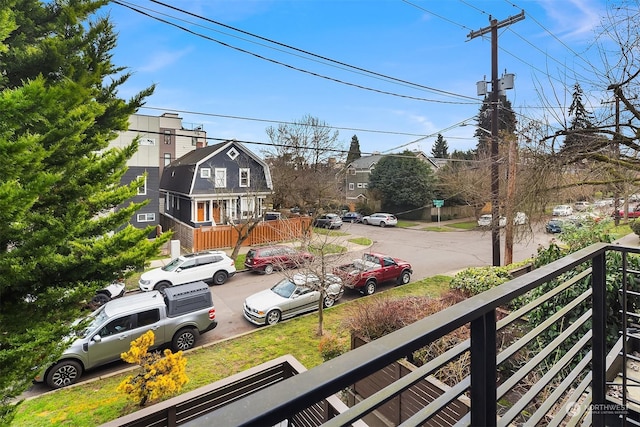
column 567, row 387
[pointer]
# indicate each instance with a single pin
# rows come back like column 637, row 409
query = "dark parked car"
column 557, row 225
column 352, row 217
column 269, row 258
column 329, row 220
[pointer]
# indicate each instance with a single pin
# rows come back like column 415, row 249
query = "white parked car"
column 381, row 219
column 519, row 219
column 290, row 297
column 213, row 267
column 485, row 221
column 582, row 206
column 562, row 210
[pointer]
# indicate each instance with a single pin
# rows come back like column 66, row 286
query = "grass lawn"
column 98, row 401
column 406, row 224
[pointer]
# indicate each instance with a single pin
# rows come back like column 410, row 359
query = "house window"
column 167, row 158
column 352, row 171
column 359, row 185
column 147, row 141
column 167, row 137
column 205, row 172
column 365, row 185
column 245, row 176
column 194, row 141
column 247, row 206
column 351, row 186
column 220, row 178
column 233, row 153
column 146, row 217
column 142, row 190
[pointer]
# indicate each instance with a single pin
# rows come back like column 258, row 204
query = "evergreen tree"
column 403, row 180
column 354, row 150
column 440, row 148
column 576, row 141
column 506, row 124
column 463, row 155
column 63, row 222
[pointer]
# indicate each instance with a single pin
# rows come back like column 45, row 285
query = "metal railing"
column 524, row 369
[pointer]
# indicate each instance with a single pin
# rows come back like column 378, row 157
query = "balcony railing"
column 557, row 370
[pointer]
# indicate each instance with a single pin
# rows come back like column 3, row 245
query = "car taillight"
column 212, row 314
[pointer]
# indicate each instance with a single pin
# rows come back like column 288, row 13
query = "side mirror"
column 96, row 338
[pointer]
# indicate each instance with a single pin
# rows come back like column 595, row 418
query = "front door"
column 201, row 207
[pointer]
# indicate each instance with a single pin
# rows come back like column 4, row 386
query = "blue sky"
column 237, row 85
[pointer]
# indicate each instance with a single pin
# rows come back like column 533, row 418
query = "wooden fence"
column 226, row 236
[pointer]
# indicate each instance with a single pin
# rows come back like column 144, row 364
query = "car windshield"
column 284, row 288
column 95, row 319
column 172, row 265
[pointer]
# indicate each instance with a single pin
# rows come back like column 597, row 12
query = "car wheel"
column 100, row 299
column 365, row 222
column 162, row 286
column 383, row 224
column 404, row 278
column 268, row 269
column 220, row 277
column 184, row 339
column 273, row 317
column 328, row 301
column 370, row 287
column 64, row 373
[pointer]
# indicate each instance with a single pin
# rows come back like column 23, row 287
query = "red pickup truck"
column 365, row 273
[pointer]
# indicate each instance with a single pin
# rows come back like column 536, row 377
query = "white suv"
column 210, row 266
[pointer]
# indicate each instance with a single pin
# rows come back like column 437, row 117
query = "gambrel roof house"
column 359, row 170
column 215, row 185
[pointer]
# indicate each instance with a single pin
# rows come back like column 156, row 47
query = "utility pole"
column 616, row 152
column 495, row 89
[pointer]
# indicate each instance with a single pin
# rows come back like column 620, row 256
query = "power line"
column 280, row 121
column 306, row 52
column 359, row 86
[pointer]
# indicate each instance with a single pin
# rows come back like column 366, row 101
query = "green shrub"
column 331, row 346
column 475, row 280
column 635, row 226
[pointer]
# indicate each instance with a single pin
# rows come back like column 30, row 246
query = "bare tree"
column 605, row 154
column 303, row 157
column 327, row 250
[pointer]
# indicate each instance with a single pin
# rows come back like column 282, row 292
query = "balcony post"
column 483, row 370
column 599, row 338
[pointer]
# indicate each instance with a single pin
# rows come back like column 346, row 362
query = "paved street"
column 430, row 253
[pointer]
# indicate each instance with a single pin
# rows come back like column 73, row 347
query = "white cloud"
column 573, row 18
column 161, row 60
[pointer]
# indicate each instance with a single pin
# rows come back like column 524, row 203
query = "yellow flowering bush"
column 159, row 377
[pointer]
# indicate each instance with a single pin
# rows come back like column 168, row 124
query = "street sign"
column 438, row 203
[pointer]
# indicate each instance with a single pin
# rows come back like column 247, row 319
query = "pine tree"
column 354, row 150
column 440, row 148
column 63, row 218
column 576, row 141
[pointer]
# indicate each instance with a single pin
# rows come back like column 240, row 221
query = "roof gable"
column 180, row 175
